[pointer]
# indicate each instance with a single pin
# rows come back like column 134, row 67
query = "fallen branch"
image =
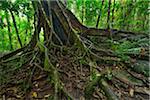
column 12, row 53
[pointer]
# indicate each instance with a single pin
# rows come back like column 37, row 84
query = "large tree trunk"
column 66, row 51
column 54, row 22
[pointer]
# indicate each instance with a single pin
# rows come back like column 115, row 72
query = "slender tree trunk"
column 27, row 30
column 122, row 14
column 146, row 22
column 98, row 19
column 9, row 32
column 127, row 14
column 113, row 13
column 108, row 17
column 1, row 25
column 82, row 11
column 14, row 22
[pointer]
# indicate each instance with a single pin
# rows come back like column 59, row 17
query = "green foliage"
column 142, row 67
column 23, row 13
column 82, row 61
column 128, row 15
column 109, row 74
column 122, row 48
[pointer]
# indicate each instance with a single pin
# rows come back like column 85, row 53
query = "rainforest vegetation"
column 74, row 50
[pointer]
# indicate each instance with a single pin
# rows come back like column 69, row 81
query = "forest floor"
column 31, row 82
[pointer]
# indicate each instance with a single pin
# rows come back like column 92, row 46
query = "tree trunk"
column 17, row 32
column 108, row 16
column 100, row 11
column 9, row 32
column 113, row 13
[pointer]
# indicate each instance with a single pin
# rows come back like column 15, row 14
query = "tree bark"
column 108, row 16
column 113, row 13
column 100, row 11
column 15, row 25
column 9, row 32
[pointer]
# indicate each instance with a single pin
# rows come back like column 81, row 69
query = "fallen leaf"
column 34, row 94
column 131, row 92
column 48, row 95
